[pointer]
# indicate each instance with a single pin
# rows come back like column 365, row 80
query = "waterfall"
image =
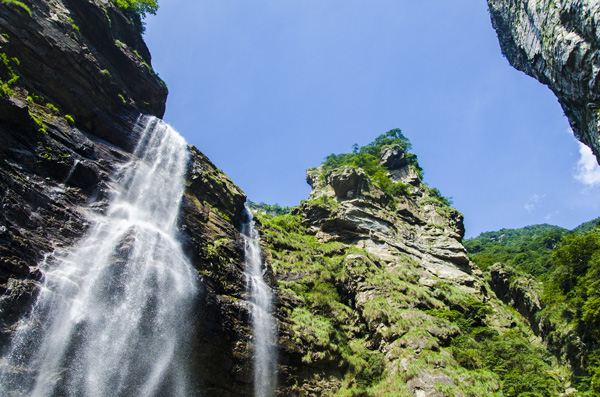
column 263, row 324
column 110, row 319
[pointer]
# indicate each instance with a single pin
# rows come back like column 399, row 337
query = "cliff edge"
column 376, row 294
column 558, row 43
column 75, row 75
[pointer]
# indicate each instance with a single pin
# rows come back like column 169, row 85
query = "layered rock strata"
column 558, row 43
column 376, row 291
column 75, row 75
column 371, row 287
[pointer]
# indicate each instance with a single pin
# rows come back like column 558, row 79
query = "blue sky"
column 268, row 88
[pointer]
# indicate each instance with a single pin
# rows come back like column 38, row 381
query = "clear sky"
column 268, row 88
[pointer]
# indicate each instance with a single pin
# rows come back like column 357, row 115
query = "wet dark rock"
column 90, row 72
column 84, row 79
column 215, row 188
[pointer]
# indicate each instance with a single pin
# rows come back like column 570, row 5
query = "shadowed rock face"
column 520, row 292
column 83, row 58
column 558, row 43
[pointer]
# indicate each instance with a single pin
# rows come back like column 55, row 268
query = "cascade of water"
column 71, row 171
column 110, row 319
column 263, row 325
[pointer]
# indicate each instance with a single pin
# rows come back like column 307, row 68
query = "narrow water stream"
column 263, row 325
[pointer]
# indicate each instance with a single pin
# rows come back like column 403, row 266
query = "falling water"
column 71, row 171
column 262, row 319
column 110, row 319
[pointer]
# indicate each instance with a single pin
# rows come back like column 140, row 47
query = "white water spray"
column 263, row 325
column 110, row 319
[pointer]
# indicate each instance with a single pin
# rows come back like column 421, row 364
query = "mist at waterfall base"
column 111, row 315
column 263, row 325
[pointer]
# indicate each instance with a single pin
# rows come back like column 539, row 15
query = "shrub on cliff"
column 17, row 4
column 368, row 159
column 136, row 10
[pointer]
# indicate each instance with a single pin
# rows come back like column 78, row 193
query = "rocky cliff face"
column 558, row 43
column 75, row 75
column 377, row 295
column 523, row 293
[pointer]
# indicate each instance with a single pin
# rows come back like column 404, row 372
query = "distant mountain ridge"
column 374, row 290
column 528, row 248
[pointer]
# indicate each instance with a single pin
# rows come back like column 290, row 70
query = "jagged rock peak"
column 375, row 282
column 375, row 199
column 558, row 43
column 393, row 157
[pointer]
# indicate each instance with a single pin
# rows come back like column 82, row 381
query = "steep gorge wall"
column 376, row 295
column 74, row 77
column 371, row 289
column 558, row 43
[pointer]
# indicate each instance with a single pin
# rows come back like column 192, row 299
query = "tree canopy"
column 528, row 249
column 136, row 10
column 568, row 264
column 368, row 159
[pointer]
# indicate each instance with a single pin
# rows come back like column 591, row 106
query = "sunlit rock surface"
column 366, row 284
column 558, row 43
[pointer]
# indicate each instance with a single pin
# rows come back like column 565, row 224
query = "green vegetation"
column 435, row 193
column 323, row 321
column 17, row 3
column 527, row 249
column 34, row 98
column 143, row 62
column 523, row 368
column 39, row 122
column 368, row 159
column 141, row 59
column 52, row 108
column 568, row 264
column 74, row 25
column 274, row 209
column 69, row 119
column 136, row 10
column 452, row 329
column 572, row 299
column 8, row 74
column 587, row 226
